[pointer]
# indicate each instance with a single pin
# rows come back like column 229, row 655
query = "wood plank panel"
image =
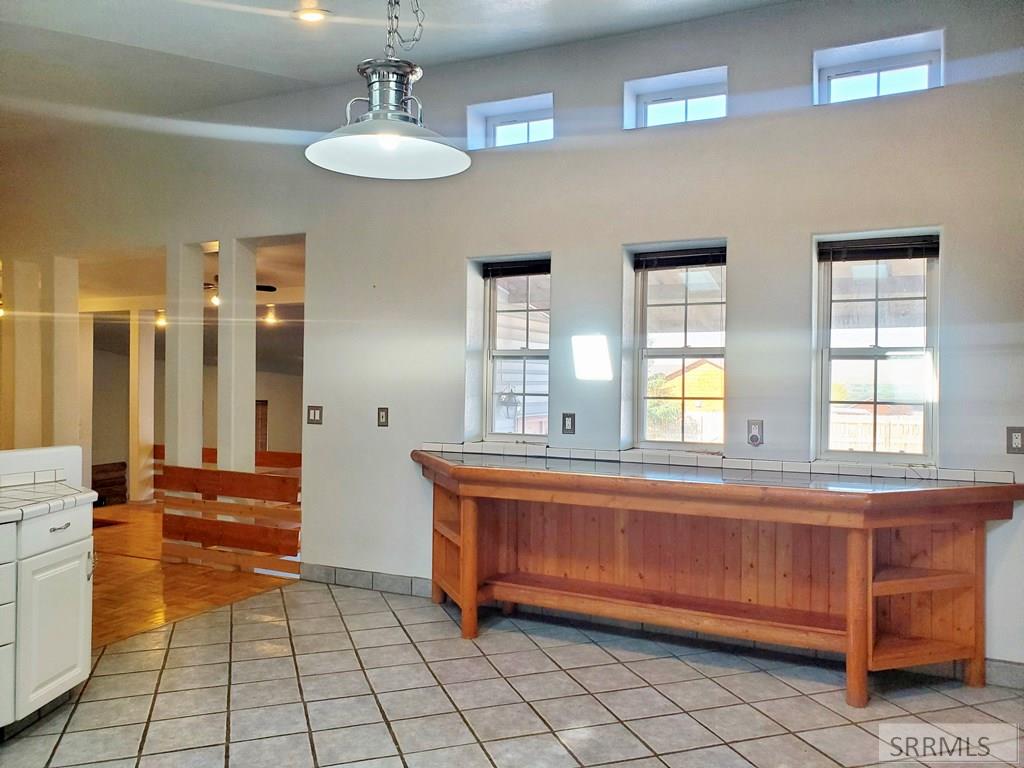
column 241, row 485
column 800, row 589
column 716, row 560
column 942, row 558
column 920, row 538
column 267, row 459
column 241, row 560
column 733, row 559
column 963, row 600
column 224, row 533
column 765, row 563
column 820, row 549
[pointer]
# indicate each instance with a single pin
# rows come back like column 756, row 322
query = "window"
column 681, row 346
column 679, row 107
column 526, row 128
column 878, row 345
column 879, row 68
column 524, row 120
column 681, row 97
column 518, row 321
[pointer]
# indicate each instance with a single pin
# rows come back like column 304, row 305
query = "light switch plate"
column 314, row 414
column 755, row 432
column 568, row 423
column 382, row 417
column 1015, row 439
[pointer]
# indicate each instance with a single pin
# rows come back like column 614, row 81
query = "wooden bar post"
column 468, row 582
column 436, row 593
column 857, row 617
column 974, row 668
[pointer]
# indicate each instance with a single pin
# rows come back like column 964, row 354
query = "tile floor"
column 332, row 676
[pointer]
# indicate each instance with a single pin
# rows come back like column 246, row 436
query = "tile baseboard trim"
column 717, row 461
column 376, row 580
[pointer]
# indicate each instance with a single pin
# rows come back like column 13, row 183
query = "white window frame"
column 643, row 100
column 490, row 353
column 928, row 456
column 644, row 353
column 932, row 58
column 494, row 121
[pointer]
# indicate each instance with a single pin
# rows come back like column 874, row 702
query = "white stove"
column 46, row 562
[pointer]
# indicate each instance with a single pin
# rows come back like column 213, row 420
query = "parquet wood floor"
column 133, row 591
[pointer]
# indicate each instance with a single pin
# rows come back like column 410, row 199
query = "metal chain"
column 406, row 43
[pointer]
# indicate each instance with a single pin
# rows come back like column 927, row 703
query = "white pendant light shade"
column 387, row 149
column 389, row 140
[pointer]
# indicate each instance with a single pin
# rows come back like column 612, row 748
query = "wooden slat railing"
column 264, row 459
column 237, row 520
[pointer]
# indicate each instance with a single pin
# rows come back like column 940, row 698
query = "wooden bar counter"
column 889, row 572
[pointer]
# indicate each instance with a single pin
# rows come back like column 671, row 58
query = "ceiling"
column 278, row 347
column 174, row 56
column 280, row 261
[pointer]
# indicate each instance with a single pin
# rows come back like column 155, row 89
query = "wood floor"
column 133, row 591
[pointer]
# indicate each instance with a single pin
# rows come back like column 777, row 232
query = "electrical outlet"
column 568, row 423
column 314, row 414
column 755, row 432
column 382, row 417
column 1015, row 439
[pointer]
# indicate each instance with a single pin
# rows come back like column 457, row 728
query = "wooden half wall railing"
column 264, row 459
column 233, row 520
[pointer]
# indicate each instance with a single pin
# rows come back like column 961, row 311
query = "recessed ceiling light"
column 310, row 13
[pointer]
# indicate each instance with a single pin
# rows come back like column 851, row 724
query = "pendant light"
column 389, row 140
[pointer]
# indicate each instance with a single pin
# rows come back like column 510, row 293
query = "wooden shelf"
column 803, row 629
column 898, row 580
column 450, row 531
column 892, row 651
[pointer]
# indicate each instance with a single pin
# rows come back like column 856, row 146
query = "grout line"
column 298, row 683
column 362, row 668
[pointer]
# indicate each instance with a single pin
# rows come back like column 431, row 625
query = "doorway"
column 262, row 407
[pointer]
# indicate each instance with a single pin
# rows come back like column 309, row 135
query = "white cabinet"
column 6, row 684
column 54, row 624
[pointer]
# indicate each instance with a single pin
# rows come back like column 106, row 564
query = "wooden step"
column 900, row 580
column 893, row 651
column 786, row 626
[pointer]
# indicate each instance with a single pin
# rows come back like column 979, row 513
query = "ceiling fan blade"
column 267, row 288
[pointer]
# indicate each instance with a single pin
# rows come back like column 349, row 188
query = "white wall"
column 282, row 392
column 386, row 261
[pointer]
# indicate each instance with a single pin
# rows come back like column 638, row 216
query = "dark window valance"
column 914, row 247
column 687, row 257
column 517, row 268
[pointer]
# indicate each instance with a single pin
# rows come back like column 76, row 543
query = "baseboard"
column 352, row 577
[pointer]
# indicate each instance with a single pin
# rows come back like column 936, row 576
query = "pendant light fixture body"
column 389, row 140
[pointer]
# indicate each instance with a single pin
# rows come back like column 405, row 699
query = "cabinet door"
column 54, row 637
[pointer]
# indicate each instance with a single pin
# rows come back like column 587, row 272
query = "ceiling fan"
column 215, row 287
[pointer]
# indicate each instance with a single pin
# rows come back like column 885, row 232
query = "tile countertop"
column 716, row 476
column 22, row 502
